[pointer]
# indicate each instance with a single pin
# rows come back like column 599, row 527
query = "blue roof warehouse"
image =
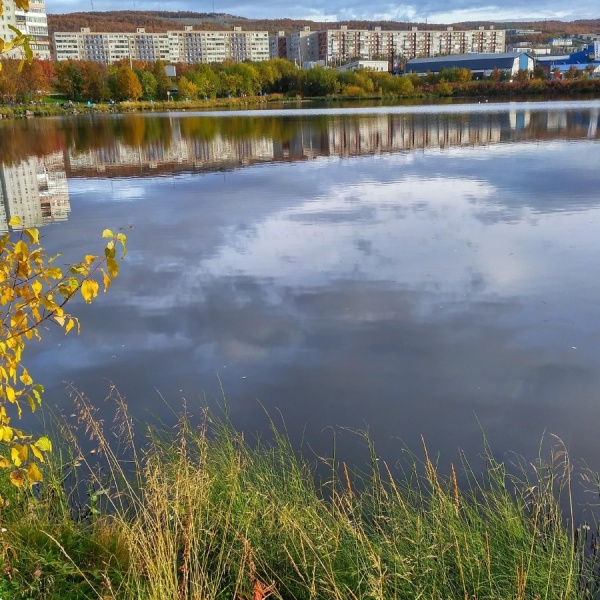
column 478, row 64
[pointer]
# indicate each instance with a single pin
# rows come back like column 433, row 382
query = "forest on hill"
column 156, row 21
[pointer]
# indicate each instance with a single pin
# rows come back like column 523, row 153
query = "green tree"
column 69, row 80
column 148, row 83
column 403, row 85
column 187, row 89
column 205, row 79
column 229, row 84
column 163, row 83
column 287, row 76
column 127, row 85
column 248, row 79
column 319, row 82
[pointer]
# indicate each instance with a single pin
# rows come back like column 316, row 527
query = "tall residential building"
column 336, row 46
column 187, row 46
column 33, row 23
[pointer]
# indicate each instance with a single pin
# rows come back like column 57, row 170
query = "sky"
column 433, row 11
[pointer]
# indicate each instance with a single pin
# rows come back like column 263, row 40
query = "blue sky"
column 435, row 11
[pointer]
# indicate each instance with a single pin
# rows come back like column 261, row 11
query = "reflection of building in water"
column 220, row 151
column 35, row 190
column 385, row 134
column 343, row 136
column 519, row 119
column 557, row 120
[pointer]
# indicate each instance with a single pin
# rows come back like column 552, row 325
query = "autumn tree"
column 187, row 89
column 8, row 79
column 127, row 85
column 32, row 83
column 319, row 82
column 94, row 80
column 34, row 292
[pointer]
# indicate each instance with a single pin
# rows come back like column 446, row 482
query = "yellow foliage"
column 89, row 290
column 33, row 473
column 17, row 478
column 33, row 292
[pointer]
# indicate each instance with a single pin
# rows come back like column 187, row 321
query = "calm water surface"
column 412, row 271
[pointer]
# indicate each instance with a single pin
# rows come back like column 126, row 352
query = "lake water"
column 412, row 271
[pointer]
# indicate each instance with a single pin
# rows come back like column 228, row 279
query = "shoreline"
column 565, row 92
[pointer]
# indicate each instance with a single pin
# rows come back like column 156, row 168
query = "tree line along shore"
column 46, row 88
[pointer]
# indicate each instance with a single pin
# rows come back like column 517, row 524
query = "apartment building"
column 187, row 46
column 33, row 23
column 336, row 46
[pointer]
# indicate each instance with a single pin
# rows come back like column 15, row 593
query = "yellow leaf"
column 17, row 478
column 90, row 258
column 19, row 454
column 33, row 473
column 6, row 433
column 89, row 290
column 10, row 394
column 113, row 267
column 60, row 320
column 21, row 248
column 33, row 234
column 36, row 286
column 26, row 378
column 70, row 324
column 36, row 452
column 106, row 280
column 44, row 444
column 14, row 221
column 107, row 233
column 4, row 462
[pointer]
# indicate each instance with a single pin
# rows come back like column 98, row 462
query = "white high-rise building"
column 188, row 46
column 33, row 23
column 337, row 46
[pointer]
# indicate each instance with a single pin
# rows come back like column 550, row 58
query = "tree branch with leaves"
column 35, row 291
column 20, row 40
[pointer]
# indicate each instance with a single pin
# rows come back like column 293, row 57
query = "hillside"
column 155, row 21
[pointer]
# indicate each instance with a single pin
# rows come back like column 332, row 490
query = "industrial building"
column 581, row 60
column 186, row 46
column 369, row 65
column 478, row 64
column 337, row 46
column 33, row 23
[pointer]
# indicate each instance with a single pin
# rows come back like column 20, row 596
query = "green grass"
column 204, row 514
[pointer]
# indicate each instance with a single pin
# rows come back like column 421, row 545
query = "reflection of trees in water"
column 280, row 130
column 22, row 139
column 373, row 132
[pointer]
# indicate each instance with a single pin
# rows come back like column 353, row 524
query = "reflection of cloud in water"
column 409, row 292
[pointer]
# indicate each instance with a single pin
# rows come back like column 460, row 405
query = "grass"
column 203, row 513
